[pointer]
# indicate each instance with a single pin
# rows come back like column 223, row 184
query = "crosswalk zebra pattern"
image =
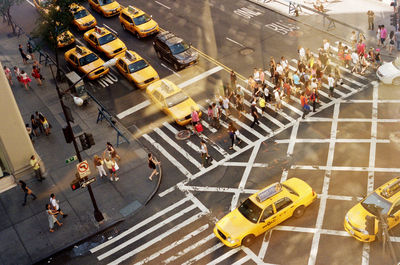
column 185, row 154
column 182, row 233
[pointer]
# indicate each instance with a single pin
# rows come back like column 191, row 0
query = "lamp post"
column 97, row 213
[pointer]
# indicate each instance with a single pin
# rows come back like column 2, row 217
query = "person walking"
column 233, row 134
column 225, row 106
column 23, row 54
column 55, row 205
column 278, row 101
column 7, row 72
column 34, row 125
column 254, row 113
column 52, row 217
column 36, row 75
column 152, row 165
column 304, row 104
column 45, row 124
column 112, row 167
column 27, row 191
column 313, row 99
column 391, row 41
column 204, row 153
column 331, row 84
column 194, row 118
column 29, row 131
column 25, row 80
column 30, row 50
column 216, row 115
column 383, row 35
column 239, row 105
column 112, row 152
column 38, row 120
column 233, row 79
column 397, row 39
column 98, row 163
column 36, row 167
column 371, row 18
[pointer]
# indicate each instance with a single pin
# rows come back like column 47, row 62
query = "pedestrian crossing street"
column 182, row 233
column 184, row 154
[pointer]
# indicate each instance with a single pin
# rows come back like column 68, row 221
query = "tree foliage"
column 5, row 8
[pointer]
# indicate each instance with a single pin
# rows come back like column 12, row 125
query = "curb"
column 84, row 238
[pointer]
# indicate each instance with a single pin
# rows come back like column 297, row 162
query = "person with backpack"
column 233, row 135
column 254, row 113
column 304, row 105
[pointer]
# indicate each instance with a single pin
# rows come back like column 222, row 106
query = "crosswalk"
column 184, row 154
column 182, row 233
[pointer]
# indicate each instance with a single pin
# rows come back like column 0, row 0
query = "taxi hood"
column 183, row 109
column 357, row 216
column 113, row 45
column 148, row 25
column 111, row 6
column 235, row 225
column 144, row 74
column 93, row 65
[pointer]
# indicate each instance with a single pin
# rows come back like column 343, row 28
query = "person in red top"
column 360, row 48
column 304, row 104
column 36, row 75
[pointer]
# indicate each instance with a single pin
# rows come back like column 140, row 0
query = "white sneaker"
column 111, row 179
column 116, row 179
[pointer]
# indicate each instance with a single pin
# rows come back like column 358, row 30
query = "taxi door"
column 93, row 41
column 267, row 220
column 394, row 215
column 284, row 208
column 123, row 68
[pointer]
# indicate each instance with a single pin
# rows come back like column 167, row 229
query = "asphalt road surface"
column 344, row 151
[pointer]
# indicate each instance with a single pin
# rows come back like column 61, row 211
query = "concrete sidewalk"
column 24, row 234
column 350, row 12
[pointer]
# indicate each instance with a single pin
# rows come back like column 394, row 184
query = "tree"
column 5, row 7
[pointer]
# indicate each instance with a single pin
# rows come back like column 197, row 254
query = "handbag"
column 29, row 191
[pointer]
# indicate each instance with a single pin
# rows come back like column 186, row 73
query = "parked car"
column 174, row 50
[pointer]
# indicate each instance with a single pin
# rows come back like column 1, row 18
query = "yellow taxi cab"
column 86, row 61
column 172, row 100
column 136, row 69
column 381, row 206
column 65, row 38
column 83, row 20
column 264, row 210
column 138, row 22
column 105, row 41
column 107, row 8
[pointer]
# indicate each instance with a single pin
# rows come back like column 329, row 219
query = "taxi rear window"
column 290, row 190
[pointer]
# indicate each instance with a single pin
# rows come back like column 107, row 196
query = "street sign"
column 87, row 182
column 83, row 169
column 71, row 159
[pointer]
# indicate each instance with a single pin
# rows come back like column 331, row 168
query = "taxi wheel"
column 137, row 35
column 123, row 26
column 176, row 67
column 248, row 240
column 396, row 81
column 299, row 211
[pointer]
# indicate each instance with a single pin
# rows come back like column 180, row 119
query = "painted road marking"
column 29, row 2
column 157, row 239
column 310, row 140
column 147, row 232
column 200, row 76
column 246, row 12
column 161, row 4
column 223, row 257
column 241, row 45
column 132, row 110
column 175, row 73
column 139, row 225
column 282, row 28
column 204, row 253
column 173, row 245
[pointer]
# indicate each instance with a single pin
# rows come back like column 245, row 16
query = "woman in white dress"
column 51, row 216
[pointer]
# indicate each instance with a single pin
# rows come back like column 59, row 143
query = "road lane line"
column 200, row 76
column 149, row 231
column 175, row 73
column 310, row 140
column 29, row 2
column 204, row 253
column 157, row 239
column 188, row 249
column 225, row 256
column 161, row 4
column 132, row 110
column 264, row 245
column 215, row 189
column 142, row 223
column 170, row 158
column 241, row 45
column 173, row 245
column 242, row 260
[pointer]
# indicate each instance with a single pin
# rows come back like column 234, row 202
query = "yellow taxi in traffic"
column 65, row 38
column 83, row 20
column 172, row 100
column 105, row 41
column 86, row 61
column 381, row 206
column 138, row 22
column 107, row 8
column 264, row 210
column 136, row 69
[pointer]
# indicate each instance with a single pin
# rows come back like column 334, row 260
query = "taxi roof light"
column 166, row 87
column 268, row 193
column 132, row 10
column 80, row 50
column 392, row 189
column 99, row 30
column 130, row 56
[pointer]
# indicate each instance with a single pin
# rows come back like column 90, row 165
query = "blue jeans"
column 398, row 45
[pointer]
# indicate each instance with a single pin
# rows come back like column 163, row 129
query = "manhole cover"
column 246, row 51
column 183, row 135
column 395, row 137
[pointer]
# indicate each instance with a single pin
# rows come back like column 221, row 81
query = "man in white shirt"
column 55, row 205
column 302, row 54
column 355, row 59
column 331, row 84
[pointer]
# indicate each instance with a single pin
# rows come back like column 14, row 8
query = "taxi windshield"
column 179, row 47
column 375, row 204
column 396, row 63
column 105, row 2
column 106, row 38
column 141, row 19
column 250, row 210
column 176, row 99
column 136, row 66
column 80, row 14
column 87, row 59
